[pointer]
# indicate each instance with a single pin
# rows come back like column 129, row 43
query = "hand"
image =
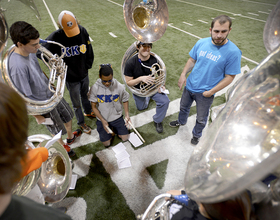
column 106, row 126
column 127, row 120
column 148, row 80
column 161, row 89
column 182, row 82
column 207, row 94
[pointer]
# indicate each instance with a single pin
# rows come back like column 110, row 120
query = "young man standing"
column 135, row 73
column 108, row 99
column 213, row 63
column 79, row 58
column 30, row 80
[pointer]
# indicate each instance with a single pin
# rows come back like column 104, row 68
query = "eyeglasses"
column 147, row 45
column 103, row 65
column 107, row 81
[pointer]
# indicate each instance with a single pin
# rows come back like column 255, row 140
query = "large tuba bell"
column 242, row 145
column 57, row 79
column 147, row 21
column 53, row 177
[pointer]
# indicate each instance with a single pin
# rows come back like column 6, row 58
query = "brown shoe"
column 86, row 129
column 70, row 152
column 76, row 134
column 91, row 115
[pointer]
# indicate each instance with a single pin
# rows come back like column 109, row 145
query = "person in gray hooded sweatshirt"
column 108, row 98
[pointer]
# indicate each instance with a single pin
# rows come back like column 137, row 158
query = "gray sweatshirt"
column 109, row 99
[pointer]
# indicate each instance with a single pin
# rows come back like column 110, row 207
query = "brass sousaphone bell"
column 147, row 22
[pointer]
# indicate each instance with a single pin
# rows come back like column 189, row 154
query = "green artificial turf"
column 99, row 17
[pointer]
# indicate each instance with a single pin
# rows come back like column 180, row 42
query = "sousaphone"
column 146, row 21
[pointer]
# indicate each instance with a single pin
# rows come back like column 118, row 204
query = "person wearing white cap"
column 79, row 59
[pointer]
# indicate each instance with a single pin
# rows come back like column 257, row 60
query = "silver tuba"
column 53, row 177
column 147, row 22
column 57, row 79
column 242, row 145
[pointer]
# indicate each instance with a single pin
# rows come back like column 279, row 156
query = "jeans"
column 203, row 105
column 161, row 100
column 78, row 91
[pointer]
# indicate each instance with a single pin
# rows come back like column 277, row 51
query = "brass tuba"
column 147, row 22
column 53, row 177
column 57, row 77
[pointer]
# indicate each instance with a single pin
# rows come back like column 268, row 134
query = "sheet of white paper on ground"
column 73, row 181
column 123, row 155
column 54, row 139
column 124, row 163
column 118, row 148
column 135, row 140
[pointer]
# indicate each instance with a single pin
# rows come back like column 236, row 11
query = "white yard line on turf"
column 215, row 9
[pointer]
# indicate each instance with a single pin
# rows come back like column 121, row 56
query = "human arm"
column 126, row 112
column 98, row 115
column 39, row 118
column 222, row 84
column 132, row 82
column 188, row 67
column 89, row 53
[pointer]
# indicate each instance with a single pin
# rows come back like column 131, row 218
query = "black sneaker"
column 174, row 124
column 76, row 133
column 159, row 127
column 194, row 140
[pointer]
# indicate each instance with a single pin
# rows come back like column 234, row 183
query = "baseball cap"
column 69, row 24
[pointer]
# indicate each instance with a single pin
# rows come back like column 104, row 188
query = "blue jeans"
column 203, row 105
column 78, row 91
column 161, row 100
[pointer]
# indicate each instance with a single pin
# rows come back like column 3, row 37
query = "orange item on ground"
column 35, row 158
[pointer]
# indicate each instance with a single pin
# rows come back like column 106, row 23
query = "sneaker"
column 174, row 124
column 159, row 127
column 86, row 129
column 70, row 152
column 76, row 133
column 194, row 140
column 91, row 115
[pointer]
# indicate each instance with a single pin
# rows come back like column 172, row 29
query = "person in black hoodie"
column 79, row 58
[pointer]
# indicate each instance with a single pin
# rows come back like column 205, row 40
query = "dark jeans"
column 203, row 105
column 78, row 91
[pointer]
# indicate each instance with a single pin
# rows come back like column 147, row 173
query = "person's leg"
column 185, row 106
column 162, row 102
column 74, row 92
column 121, row 129
column 66, row 115
column 84, row 98
column 104, row 137
column 203, row 105
column 141, row 102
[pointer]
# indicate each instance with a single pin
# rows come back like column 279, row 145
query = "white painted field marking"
column 183, row 31
column 186, row 23
column 262, row 3
column 202, row 6
column 115, row 3
column 54, row 22
column 112, row 34
column 263, row 12
column 250, row 13
column 205, row 22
